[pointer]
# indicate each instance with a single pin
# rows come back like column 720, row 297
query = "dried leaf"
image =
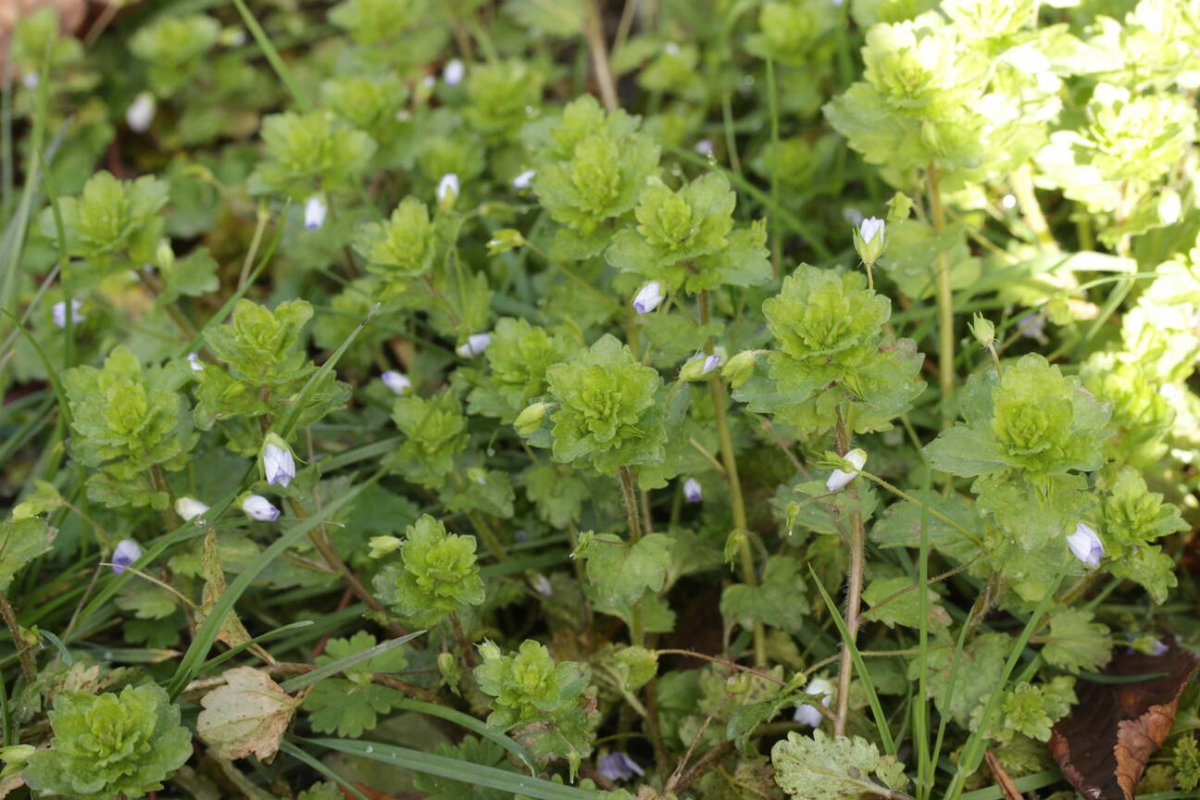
column 249, row 714
column 233, row 633
column 1104, row 744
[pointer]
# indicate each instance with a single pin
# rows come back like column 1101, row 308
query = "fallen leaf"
column 1103, row 745
column 249, row 714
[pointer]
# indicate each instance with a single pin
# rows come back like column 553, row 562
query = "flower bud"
column 504, row 240
column 314, row 212
column 870, row 237
column 618, row 767
column 140, row 113
column 164, row 256
column 983, row 330
column 447, row 190
column 1086, row 545
column 189, row 508
column 475, row 344
column 453, row 72
column 382, row 545
column 258, row 507
column 398, row 382
column 648, row 298
column 811, row 715
column 58, row 312
column 541, row 585
column 194, row 362
column 692, row 492
column 840, row 479
column 279, row 466
column 700, row 367
column 127, row 552
column 530, row 420
column 524, row 180
column 738, row 369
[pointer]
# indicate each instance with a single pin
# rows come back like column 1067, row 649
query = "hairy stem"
column 737, row 503
column 853, row 594
column 28, row 665
column 320, row 541
column 595, row 38
column 637, row 630
column 945, row 298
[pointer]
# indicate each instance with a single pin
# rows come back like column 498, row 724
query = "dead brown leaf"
column 1104, row 744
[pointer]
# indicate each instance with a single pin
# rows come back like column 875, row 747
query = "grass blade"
column 456, row 770
column 342, row 664
column 860, row 666
column 471, row 724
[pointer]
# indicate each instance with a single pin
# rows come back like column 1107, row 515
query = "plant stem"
column 637, row 631
column 320, row 541
column 594, row 30
column 737, row 503
column 853, row 593
column 945, row 298
column 28, row 666
column 1031, row 210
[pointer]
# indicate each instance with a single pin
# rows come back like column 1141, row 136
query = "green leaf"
column 894, row 601
column 1075, row 643
column 775, row 601
column 824, row 768
column 438, row 574
column 21, row 541
column 621, row 574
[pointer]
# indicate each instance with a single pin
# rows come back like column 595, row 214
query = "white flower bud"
column 705, row 148
column 839, row 479
column 398, row 382
column 314, row 212
column 447, row 190
column 475, row 344
column 811, row 715
column 58, row 312
column 1086, row 545
column 258, row 507
column 194, row 362
column 279, row 466
column 648, row 298
column 692, row 492
column 140, row 113
column 524, row 180
column 453, row 72
column 189, row 508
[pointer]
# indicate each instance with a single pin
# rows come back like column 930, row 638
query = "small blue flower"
column 127, row 552
column 692, row 491
column 618, row 767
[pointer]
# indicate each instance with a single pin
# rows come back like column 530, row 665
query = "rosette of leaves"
column 590, row 168
column 1126, row 145
column 797, row 36
column 546, row 700
column 1141, row 416
column 518, row 358
column 918, row 99
column 110, row 745
column 1152, row 49
column 112, row 225
column 833, row 356
column 435, row 431
column 400, row 35
column 605, row 413
column 1029, row 710
column 351, row 704
column 309, row 152
column 438, row 574
column 130, row 425
column 262, row 367
column 499, row 96
column 1026, row 438
column 403, row 247
column 173, row 49
column 374, row 104
column 686, row 239
column 1133, row 518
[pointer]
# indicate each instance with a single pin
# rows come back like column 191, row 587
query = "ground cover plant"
column 567, row 399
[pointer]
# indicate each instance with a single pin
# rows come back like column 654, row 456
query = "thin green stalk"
column 737, row 503
column 273, row 57
column 773, row 109
column 945, row 298
column 921, row 706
